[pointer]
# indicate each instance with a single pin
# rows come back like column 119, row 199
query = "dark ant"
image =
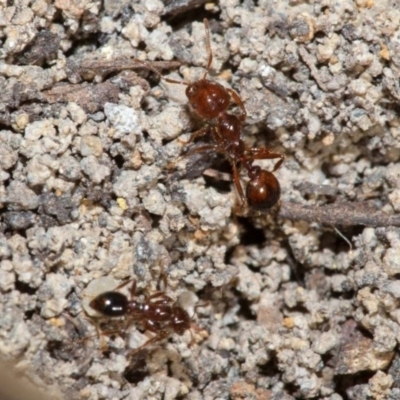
column 156, row 313
column 210, row 101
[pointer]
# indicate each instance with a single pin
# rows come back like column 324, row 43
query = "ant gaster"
column 156, row 313
column 210, row 101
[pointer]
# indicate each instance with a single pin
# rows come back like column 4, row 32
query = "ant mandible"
column 210, row 101
column 156, row 313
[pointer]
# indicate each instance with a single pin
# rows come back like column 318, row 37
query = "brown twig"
column 338, row 214
column 88, row 66
column 176, row 7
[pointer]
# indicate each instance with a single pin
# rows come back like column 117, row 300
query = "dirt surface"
column 301, row 302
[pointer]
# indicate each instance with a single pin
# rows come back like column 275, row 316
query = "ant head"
column 110, row 304
column 207, row 98
column 263, row 190
column 181, row 321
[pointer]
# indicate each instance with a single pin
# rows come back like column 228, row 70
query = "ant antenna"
column 147, row 65
column 208, row 45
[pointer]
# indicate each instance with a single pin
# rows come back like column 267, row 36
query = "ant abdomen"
column 263, row 190
column 110, row 304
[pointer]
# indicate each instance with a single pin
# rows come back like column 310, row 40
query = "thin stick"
column 349, row 214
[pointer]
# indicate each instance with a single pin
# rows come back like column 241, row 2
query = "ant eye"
column 191, row 90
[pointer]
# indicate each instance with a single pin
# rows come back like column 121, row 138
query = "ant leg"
column 236, row 180
column 204, row 303
column 205, row 148
column 160, row 293
column 279, row 163
column 265, row 154
column 190, row 152
column 163, row 277
column 169, row 80
column 201, row 132
column 100, row 334
column 218, row 149
column 262, row 154
column 133, row 288
column 123, row 284
column 160, row 336
column 196, row 328
column 164, row 299
column 239, row 103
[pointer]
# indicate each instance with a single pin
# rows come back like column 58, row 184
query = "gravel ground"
column 298, row 303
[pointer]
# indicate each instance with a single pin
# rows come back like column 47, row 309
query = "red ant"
column 263, row 189
column 156, row 313
column 210, row 101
